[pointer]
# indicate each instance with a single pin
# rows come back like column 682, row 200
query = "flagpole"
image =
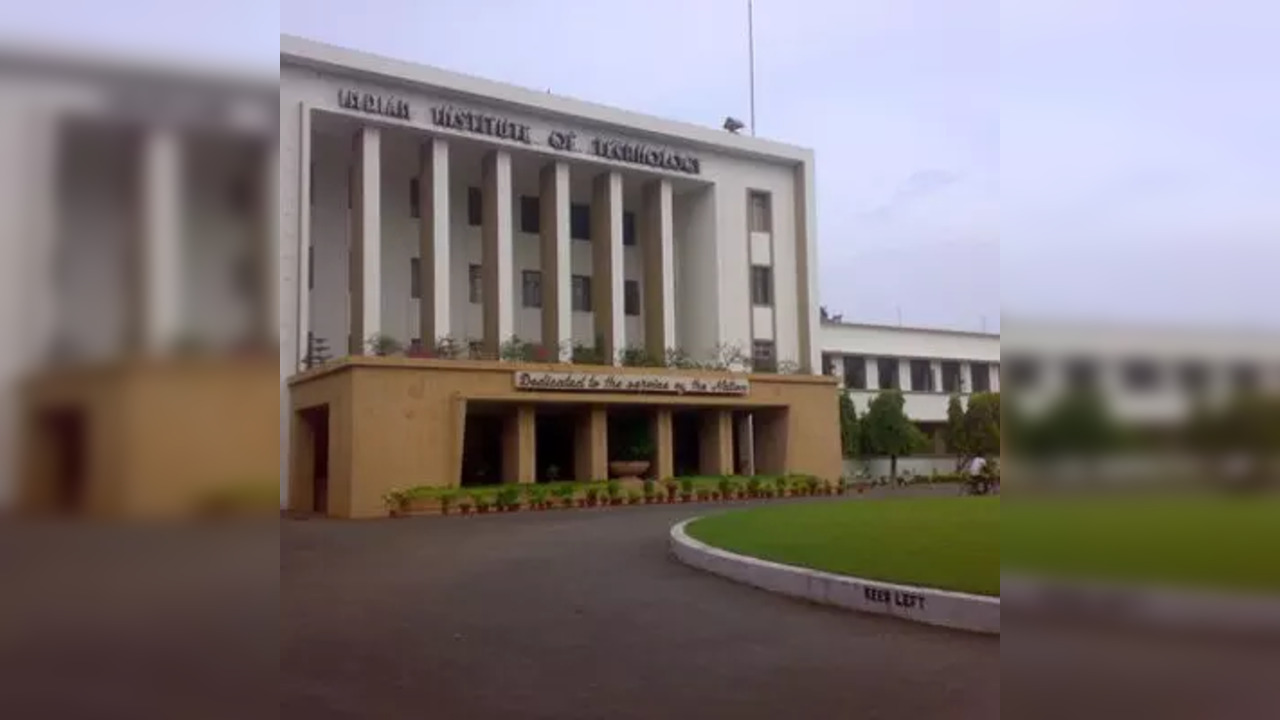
column 751, row 59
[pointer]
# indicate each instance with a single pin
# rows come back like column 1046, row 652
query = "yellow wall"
column 398, row 422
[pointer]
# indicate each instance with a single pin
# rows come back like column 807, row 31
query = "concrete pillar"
column 365, row 255
column 663, row 444
column 591, row 445
column 745, row 443
column 771, row 427
column 993, row 370
column 935, row 371
column 519, row 462
column 162, row 240
column 716, row 443
column 606, row 263
column 837, row 367
column 433, row 241
column 495, row 253
column 904, row 374
column 873, row 373
column 966, row 378
column 656, row 240
column 557, row 319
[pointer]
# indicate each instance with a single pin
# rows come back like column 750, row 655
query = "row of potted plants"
column 512, row 498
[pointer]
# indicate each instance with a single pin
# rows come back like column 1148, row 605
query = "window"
column 415, row 199
column 581, row 292
column 531, row 288
column 951, row 377
column 631, row 298
column 1024, row 373
column 1141, row 375
column 1082, row 374
column 1244, row 377
column 415, row 278
column 475, row 285
column 530, row 214
column 628, row 228
column 828, row 364
column 475, row 204
column 887, row 368
column 855, row 372
column 761, row 285
column 763, row 358
column 1194, row 376
column 580, row 222
column 311, row 268
column 980, row 374
column 922, row 376
column 759, row 212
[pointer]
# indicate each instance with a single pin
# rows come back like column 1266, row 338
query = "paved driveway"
column 582, row 614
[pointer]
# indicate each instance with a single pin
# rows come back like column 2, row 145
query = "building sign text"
column 480, row 123
column 641, row 154
column 374, row 104
column 884, row 596
column 643, row 384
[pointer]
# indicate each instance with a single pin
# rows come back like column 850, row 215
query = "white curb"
column 961, row 611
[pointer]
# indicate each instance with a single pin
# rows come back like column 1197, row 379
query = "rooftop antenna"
column 751, row 60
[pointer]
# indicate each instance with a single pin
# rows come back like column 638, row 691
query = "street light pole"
column 751, row 59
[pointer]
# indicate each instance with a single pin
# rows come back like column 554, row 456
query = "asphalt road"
column 583, row 614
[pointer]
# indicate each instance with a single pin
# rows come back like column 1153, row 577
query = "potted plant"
column 447, row 498
column 753, row 487
column 704, row 494
column 650, row 491
column 613, row 489
column 686, row 489
column 538, row 497
column 397, row 503
column 670, row 485
column 725, row 487
column 632, row 455
column 482, row 503
column 781, row 483
column 564, row 493
column 592, row 495
column 633, row 497
column 811, row 484
column 465, row 504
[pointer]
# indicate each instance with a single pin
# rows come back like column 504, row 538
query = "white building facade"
column 419, row 205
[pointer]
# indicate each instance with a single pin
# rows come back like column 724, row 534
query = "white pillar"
column 657, row 237
column 993, row 372
column 966, row 378
column 162, row 240
column 496, row 261
column 606, row 263
column 904, row 374
column 268, row 220
column 935, row 372
column 433, row 241
column 366, row 239
column 557, row 317
column 873, row 373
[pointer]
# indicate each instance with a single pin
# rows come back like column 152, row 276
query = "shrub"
column 781, row 484
column 753, row 487
column 396, row 500
column 650, row 488
column 670, row 485
column 447, row 499
column 483, row 502
column 565, row 494
column 726, row 487
column 537, row 496
column 686, row 486
column 592, row 495
column 382, row 345
column 704, row 494
column 633, row 497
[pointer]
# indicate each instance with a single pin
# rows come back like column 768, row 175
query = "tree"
column 982, row 425
column 886, row 429
column 850, row 430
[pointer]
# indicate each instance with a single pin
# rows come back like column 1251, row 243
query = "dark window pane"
column 759, row 212
column 951, row 376
column 580, row 222
column 1024, row 372
column 628, row 228
column 475, row 284
column 1244, row 377
column 415, row 278
column 530, row 220
column 631, row 298
column 887, row 369
column 531, row 288
column 415, row 198
column 763, row 358
column 1141, row 375
column 855, row 372
column 1082, row 374
column 581, row 293
column 761, row 285
column 475, row 203
column 921, row 376
column 980, row 373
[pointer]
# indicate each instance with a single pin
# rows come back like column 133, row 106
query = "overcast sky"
column 1097, row 158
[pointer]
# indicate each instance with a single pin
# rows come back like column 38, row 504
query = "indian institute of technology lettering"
column 479, row 123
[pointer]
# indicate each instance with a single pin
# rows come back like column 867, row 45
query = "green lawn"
column 1207, row 541
column 951, row 543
